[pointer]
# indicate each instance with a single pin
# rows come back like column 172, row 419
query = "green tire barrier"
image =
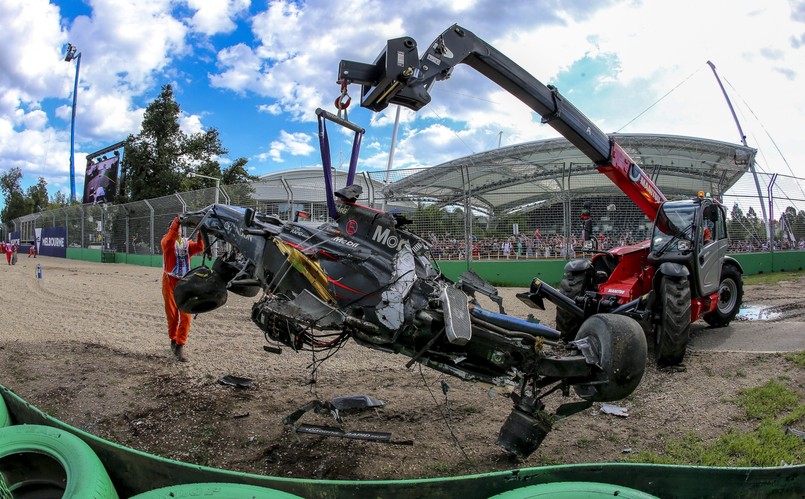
column 573, row 490
column 5, row 418
column 215, row 491
column 41, row 461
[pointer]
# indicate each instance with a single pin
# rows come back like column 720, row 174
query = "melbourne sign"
column 52, row 241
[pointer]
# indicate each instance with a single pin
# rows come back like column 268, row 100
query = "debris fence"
column 461, row 224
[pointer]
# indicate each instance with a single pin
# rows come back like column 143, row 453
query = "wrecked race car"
column 365, row 277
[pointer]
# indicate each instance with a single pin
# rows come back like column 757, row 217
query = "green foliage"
column 59, row 200
column 38, row 196
column 156, row 161
column 768, row 400
column 17, row 202
column 236, row 173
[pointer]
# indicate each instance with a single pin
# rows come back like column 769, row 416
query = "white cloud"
column 295, row 144
column 190, row 124
column 216, row 16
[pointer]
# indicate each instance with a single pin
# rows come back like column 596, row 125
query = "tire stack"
column 47, row 462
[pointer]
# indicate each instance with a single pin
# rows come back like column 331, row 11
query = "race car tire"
column 215, row 491
column 227, row 272
column 247, row 291
column 200, row 290
column 620, row 346
column 42, row 461
column 730, row 297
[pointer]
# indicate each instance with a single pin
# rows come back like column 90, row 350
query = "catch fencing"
column 461, row 225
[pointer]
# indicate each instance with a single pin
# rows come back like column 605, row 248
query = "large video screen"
column 100, row 180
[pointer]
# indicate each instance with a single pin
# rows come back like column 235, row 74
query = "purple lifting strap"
column 326, row 163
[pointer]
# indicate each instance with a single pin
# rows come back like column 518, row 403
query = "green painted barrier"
column 99, row 256
column 519, row 273
column 134, row 472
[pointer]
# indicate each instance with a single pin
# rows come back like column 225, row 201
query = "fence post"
column 127, row 231
column 770, row 225
column 83, row 218
column 152, row 225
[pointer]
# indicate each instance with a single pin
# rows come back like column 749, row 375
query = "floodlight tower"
column 73, row 54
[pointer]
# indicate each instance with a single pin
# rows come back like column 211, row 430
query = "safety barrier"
column 132, row 472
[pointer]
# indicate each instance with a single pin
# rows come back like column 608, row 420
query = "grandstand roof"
column 307, row 185
column 546, row 171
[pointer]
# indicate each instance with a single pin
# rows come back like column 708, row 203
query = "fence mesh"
column 501, row 223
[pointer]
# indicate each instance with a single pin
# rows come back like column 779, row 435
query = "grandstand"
column 541, row 185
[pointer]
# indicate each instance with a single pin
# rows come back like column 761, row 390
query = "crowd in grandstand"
column 522, row 246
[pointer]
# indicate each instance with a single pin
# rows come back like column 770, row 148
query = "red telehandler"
column 681, row 274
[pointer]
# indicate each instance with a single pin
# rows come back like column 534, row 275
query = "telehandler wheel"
column 730, row 296
column 573, row 284
column 200, row 290
column 620, row 345
column 672, row 334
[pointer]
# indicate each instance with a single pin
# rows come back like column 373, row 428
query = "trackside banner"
column 51, row 241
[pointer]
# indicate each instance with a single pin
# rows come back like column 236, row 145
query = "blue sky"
column 257, row 70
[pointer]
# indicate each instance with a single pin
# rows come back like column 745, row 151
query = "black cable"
column 446, row 422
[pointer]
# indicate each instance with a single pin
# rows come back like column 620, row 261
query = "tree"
column 738, row 225
column 59, row 200
column 38, row 199
column 236, row 173
column 156, row 161
column 16, row 203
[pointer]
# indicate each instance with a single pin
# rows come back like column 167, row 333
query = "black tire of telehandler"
column 730, row 297
column 621, row 346
column 572, row 285
column 200, row 290
column 672, row 334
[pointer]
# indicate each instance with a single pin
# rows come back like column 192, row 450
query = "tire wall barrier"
column 79, row 472
column 5, row 417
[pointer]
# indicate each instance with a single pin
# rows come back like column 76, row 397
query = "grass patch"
column 766, row 446
column 775, row 405
column 773, row 277
column 768, row 400
column 797, row 358
column 470, row 409
column 796, row 416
